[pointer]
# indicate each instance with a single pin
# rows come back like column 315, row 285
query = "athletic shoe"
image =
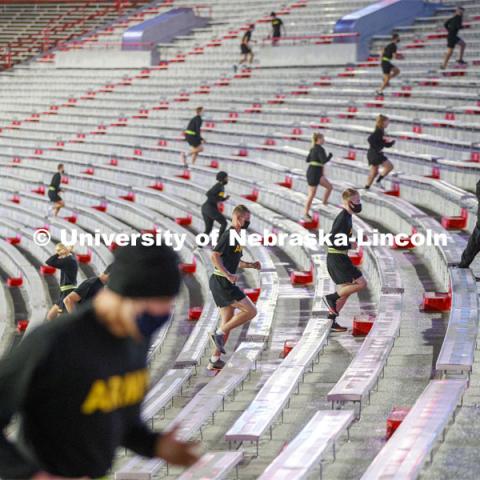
column 307, row 217
column 330, row 304
column 337, row 328
column 462, row 62
column 442, row 67
column 218, row 339
column 379, row 93
column 218, row 365
column 380, row 185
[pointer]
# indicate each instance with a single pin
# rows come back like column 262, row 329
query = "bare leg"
column 312, row 191
column 243, row 59
column 347, row 289
column 462, row 46
column 387, row 167
column 447, row 57
column 386, row 80
column 250, row 57
column 226, row 313
column 371, row 176
column 328, row 189
column 195, row 152
column 58, row 206
column 247, row 311
column 395, row 72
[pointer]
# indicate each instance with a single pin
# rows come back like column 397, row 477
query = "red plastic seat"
column 84, row 257
column 362, row 325
column 184, row 221
column 301, row 278
column 194, row 313
column 47, row 270
column 437, row 301
column 395, row 419
column 15, row 281
column 456, row 222
column 22, row 326
column 252, row 294
column 189, row 268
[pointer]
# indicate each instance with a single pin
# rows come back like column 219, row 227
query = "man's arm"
column 255, row 265
column 217, row 262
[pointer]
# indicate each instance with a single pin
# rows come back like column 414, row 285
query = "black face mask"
column 246, row 224
column 225, row 182
column 355, row 207
column 148, row 324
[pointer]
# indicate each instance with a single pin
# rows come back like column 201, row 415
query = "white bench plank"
column 213, row 466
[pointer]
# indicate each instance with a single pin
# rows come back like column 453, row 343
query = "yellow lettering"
column 116, row 392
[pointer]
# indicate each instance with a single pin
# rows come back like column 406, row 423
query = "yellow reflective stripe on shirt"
column 334, row 250
column 386, row 59
column 190, row 132
column 64, row 288
column 316, row 164
column 51, row 188
column 218, row 272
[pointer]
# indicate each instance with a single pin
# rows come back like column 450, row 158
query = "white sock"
column 219, row 332
column 214, row 358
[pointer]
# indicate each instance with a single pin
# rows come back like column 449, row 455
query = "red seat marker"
column 395, row 419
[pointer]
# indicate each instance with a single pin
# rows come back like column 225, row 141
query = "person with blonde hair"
column 347, row 278
column 316, row 159
column 66, row 262
column 376, row 158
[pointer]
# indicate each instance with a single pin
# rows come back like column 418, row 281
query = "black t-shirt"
column 317, row 154
column 453, row 25
column 377, row 142
column 68, row 267
column 230, row 254
column 247, row 37
column 216, row 194
column 342, row 225
column 55, row 183
column 194, row 125
column 89, row 288
column 78, row 391
column 276, row 24
column 389, row 51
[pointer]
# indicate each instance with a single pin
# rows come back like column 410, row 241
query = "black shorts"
column 245, row 49
column 341, row 269
column 224, row 293
column 54, row 196
column 376, row 158
column 63, row 295
column 193, row 140
column 387, row 67
column 314, row 174
column 452, row 40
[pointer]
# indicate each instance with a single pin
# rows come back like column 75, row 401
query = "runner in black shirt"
column 277, row 26
column 54, row 190
column 86, row 290
column 473, row 245
column 346, row 276
column 193, row 136
column 316, row 159
column 454, row 25
column 376, row 158
column 66, row 262
column 247, row 54
column 210, row 210
column 388, row 68
column 77, row 384
column 226, row 258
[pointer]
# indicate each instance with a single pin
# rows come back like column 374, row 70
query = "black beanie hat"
column 221, row 176
column 145, row 271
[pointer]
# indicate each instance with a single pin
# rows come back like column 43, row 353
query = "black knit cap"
column 145, row 271
column 221, row 176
